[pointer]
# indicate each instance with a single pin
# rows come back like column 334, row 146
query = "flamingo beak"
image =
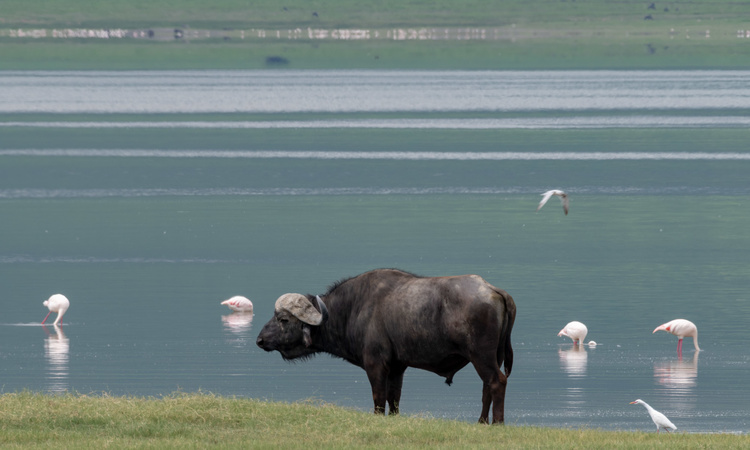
column 632, row 403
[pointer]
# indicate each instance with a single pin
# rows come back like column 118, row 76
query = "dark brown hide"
column 387, row 320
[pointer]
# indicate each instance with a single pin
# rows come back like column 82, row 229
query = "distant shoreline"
column 461, row 35
column 414, row 33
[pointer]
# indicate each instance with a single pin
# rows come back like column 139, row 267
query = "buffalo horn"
column 300, row 307
column 322, row 308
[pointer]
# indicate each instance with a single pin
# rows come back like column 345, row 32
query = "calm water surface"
column 369, row 91
column 146, row 244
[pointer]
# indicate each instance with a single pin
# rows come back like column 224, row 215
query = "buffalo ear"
column 306, row 337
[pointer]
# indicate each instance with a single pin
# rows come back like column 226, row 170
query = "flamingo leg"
column 45, row 317
column 679, row 346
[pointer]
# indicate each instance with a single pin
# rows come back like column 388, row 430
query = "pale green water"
column 146, row 246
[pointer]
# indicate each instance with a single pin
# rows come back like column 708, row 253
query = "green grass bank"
column 388, row 34
column 32, row 420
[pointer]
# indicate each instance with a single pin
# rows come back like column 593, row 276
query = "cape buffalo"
column 387, row 320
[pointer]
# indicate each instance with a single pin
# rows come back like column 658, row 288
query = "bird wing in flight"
column 546, row 196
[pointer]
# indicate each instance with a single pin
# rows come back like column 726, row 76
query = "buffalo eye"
column 282, row 319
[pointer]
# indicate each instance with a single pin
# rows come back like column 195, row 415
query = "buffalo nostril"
column 259, row 342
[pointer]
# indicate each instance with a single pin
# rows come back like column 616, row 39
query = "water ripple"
column 16, row 259
column 354, row 155
column 322, row 191
column 649, row 121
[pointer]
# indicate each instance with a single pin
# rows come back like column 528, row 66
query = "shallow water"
column 369, row 91
column 147, row 242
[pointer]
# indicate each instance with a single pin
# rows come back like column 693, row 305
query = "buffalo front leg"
column 378, row 376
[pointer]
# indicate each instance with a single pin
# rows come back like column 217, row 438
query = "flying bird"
column 57, row 303
column 563, row 199
column 681, row 328
column 659, row 419
column 239, row 303
column 576, row 331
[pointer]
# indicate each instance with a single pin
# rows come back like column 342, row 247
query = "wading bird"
column 681, row 328
column 563, row 199
column 659, row 419
column 57, row 303
column 239, row 303
column 576, row 331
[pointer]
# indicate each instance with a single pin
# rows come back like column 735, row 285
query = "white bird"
column 659, row 419
column 57, row 303
column 576, row 331
column 239, row 303
column 548, row 195
column 681, row 328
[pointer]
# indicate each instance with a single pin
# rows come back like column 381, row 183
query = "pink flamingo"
column 239, row 303
column 57, row 303
column 681, row 328
column 577, row 332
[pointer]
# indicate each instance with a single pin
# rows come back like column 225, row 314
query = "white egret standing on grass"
column 659, row 419
column 681, row 328
column 57, row 303
column 563, row 199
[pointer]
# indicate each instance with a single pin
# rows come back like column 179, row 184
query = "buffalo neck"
column 335, row 336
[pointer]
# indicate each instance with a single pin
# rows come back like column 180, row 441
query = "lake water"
column 149, row 197
column 370, row 91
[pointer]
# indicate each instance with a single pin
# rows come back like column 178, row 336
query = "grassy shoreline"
column 199, row 420
column 613, row 53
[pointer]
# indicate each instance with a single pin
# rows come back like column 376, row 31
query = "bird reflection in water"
column 56, row 349
column 573, row 361
column 677, row 374
column 237, row 326
column 237, row 323
column 679, row 378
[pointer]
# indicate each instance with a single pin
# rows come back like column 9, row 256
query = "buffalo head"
column 288, row 331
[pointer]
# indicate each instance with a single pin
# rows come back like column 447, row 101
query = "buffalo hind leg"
column 484, row 417
column 493, row 390
column 395, row 381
